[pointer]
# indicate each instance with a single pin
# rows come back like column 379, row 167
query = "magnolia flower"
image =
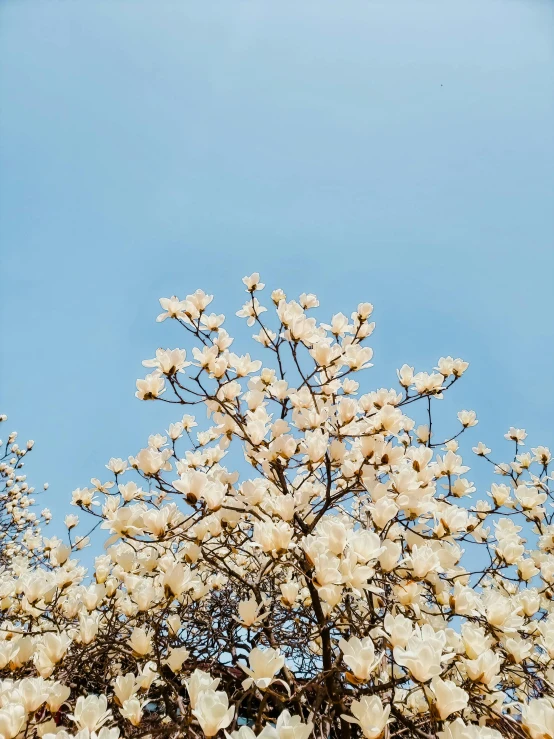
column 359, row 655
column 176, row 657
column 12, row 719
column 520, row 649
column 199, row 682
column 174, row 308
column 117, row 465
column 485, row 668
column 250, row 310
column 104, row 733
column 177, row 579
column 287, row 727
column 518, row 435
column 467, row 418
column 125, row 687
column 168, row 361
column 475, row 640
column 213, row 712
column 132, row 710
column 151, row 387
column 449, row 366
column 271, row 537
column 253, row 282
column 150, row 461
column 245, row 732
column 370, row 716
column 146, row 675
column 57, row 696
column 244, row 365
column 398, row 629
column 538, row 718
column 91, row 712
column 459, row 730
column 366, row 545
column 449, row 697
column 140, row 640
column 423, row 560
column 423, row 655
column 264, row 665
column 33, row 693
column 289, row 591
column 54, row 646
column 49, row 728
column 71, row 520
column 88, row 628
column 249, row 612
column 405, row 375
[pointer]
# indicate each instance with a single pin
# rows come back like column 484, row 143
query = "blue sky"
column 398, row 151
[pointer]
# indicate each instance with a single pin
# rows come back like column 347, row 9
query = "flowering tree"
column 19, row 524
column 323, row 593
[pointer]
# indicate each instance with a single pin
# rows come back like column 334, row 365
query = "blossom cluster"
column 293, row 557
column 20, row 530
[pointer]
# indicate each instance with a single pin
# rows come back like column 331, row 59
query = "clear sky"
column 399, row 151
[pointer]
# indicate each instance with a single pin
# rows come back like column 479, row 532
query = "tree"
column 325, row 593
column 19, row 524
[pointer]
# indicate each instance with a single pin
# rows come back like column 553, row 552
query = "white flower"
column 125, row 687
column 199, row 682
column 245, row 732
column 287, row 727
column 253, row 282
column 423, row 655
column 538, row 718
column 289, row 591
column 485, row 669
column 91, row 712
column 132, row 710
column 33, row 692
column 518, row 435
column 168, row 361
column 12, row 719
column 359, row 655
column 264, row 665
column 459, row 730
column 117, row 465
column 405, row 375
column 140, row 640
column 370, row 716
column 174, row 308
column 213, row 712
column 151, row 461
column 57, row 696
column 398, row 628
column 151, row 387
column 249, row 612
column 449, row 697
column 467, row 418
column 176, row 657
column 366, row 545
